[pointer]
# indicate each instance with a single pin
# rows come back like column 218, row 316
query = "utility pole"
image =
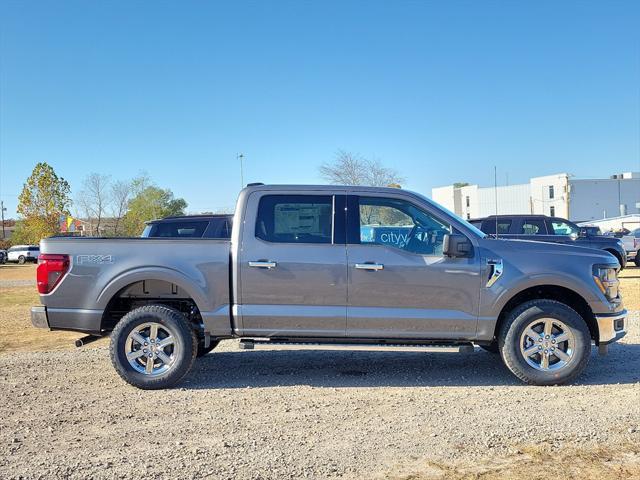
column 240, row 157
column 2, row 210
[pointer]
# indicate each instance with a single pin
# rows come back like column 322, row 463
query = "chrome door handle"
column 369, row 266
column 263, row 264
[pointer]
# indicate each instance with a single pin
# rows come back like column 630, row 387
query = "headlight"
column 606, row 278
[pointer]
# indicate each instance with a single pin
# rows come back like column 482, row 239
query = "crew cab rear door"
column 400, row 283
column 292, row 265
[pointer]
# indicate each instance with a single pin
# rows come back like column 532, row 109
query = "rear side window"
column 178, row 229
column 34, row 249
column 533, row 227
column 219, row 228
column 504, row 226
column 295, row 219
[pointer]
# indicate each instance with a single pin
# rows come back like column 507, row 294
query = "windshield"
column 471, row 227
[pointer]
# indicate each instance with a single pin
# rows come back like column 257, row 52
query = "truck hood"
column 531, row 247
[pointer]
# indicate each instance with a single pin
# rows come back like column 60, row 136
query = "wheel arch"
column 616, row 254
column 156, row 285
column 551, row 292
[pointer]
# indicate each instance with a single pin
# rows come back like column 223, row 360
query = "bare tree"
column 120, row 195
column 350, row 169
column 94, row 198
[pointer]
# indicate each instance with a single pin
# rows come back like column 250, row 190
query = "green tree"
column 44, row 197
column 149, row 203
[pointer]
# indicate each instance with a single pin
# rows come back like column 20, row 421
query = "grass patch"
column 540, row 462
column 16, row 332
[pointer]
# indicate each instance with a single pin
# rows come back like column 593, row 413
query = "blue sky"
column 443, row 91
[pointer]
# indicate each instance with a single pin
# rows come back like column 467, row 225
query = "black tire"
column 202, row 351
column 491, row 348
column 21, row 260
column 185, row 340
column 514, row 326
column 637, row 259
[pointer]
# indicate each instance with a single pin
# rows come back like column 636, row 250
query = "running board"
column 356, row 344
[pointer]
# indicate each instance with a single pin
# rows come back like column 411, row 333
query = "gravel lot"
column 316, row 414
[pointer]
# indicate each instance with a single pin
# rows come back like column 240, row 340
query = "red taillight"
column 51, row 269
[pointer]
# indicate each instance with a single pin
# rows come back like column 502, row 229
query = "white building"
column 555, row 195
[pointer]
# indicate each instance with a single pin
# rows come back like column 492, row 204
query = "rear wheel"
column 545, row 342
column 637, row 259
column 21, row 260
column 153, row 347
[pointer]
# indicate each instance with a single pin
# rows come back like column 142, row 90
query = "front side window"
column 400, row 224
column 295, row 219
column 533, row 227
column 563, row 228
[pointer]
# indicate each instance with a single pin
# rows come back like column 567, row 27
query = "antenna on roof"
column 495, row 190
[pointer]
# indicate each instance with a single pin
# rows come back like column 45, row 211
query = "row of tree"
column 103, row 206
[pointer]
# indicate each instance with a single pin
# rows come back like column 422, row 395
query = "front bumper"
column 611, row 327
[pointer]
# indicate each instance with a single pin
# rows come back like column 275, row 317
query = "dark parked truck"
column 318, row 265
column 550, row 229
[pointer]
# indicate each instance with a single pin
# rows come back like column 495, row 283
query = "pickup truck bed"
column 104, row 286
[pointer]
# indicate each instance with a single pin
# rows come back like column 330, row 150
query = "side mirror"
column 456, row 245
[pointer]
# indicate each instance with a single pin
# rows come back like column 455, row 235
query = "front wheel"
column 153, row 347
column 545, row 342
column 637, row 259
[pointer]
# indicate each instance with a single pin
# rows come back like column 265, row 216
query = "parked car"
column 303, row 267
column 550, row 229
column 23, row 253
column 3, row 256
column 631, row 243
column 198, row 226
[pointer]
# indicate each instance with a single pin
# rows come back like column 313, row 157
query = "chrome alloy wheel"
column 151, row 349
column 547, row 344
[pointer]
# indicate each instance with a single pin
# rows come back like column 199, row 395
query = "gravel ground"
column 291, row 414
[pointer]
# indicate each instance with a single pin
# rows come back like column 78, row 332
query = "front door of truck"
column 292, row 265
column 400, row 283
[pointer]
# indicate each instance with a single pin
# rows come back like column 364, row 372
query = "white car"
column 23, row 253
column 631, row 244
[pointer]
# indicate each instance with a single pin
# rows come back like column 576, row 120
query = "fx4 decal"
column 94, row 259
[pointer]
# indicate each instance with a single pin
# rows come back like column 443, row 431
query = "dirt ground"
column 64, row 413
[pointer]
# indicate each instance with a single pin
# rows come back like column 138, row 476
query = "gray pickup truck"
column 333, row 265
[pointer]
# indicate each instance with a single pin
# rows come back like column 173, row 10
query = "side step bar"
column 356, row 344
